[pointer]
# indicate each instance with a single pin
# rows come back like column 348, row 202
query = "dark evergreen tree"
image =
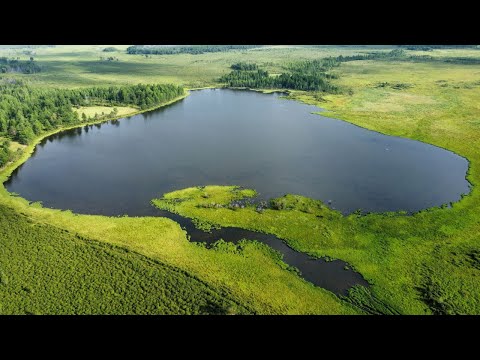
column 16, row 65
column 307, row 75
column 26, row 112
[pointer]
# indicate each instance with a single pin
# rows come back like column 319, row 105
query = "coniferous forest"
column 5, row 152
column 26, row 111
column 311, row 75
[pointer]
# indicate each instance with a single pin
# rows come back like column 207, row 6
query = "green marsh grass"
column 426, row 263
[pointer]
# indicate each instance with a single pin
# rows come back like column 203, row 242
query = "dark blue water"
column 336, row 276
column 228, row 137
column 241, row 138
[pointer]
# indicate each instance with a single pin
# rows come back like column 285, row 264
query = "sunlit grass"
column 90, row 111
column 421, row 264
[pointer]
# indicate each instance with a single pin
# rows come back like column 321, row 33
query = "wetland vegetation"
column 421, row 263
column 47, row 270
column 185, row 49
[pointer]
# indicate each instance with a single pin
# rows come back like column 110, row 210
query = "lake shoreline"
column 52, row 211
column 7, row 170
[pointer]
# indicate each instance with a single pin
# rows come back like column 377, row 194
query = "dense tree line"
column 5, row 153
column 248, row 79
column 110, row 49
column 307, row 75
column 394, row 54
column 418, row 47
column 306, row 82
column 432, row 47
column 26, row 112
column 184, row 49
column 314, row 66
column 463, row 60
column 244, row 66
column 143, row 96
column 401, row 55
column 20, row 66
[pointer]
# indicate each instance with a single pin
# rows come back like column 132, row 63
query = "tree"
column 25, row 135
column 308, row 76
column 26, row 112
column 37, row 127
column 5, row 156
column 3, row 125
column 12, row 131
column 110, row 49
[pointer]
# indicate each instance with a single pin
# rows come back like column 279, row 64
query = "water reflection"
column 241, row 138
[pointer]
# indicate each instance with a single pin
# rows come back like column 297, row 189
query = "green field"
column 92, row 277
column 428, row 263
column 90, row 111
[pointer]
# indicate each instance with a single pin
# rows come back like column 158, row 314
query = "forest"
column 20, row 66
column 394, row 54
column 5, row 153
column 433, row 47
column 185, row 49
column 401, row 55
column 243, row 66
column 26, row 112
column 309, row 75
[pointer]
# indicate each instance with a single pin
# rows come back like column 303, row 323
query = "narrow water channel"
column 249, row 139
column 335, row 275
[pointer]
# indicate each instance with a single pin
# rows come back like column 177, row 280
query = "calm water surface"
column 228, row 137
column 255, row 140
column 335, row 275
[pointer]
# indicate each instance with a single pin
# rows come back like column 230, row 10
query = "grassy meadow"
column 90, row 111
column 426, row 263
column 91, row 277
column 80, row 66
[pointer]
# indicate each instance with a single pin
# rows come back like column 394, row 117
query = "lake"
column 232, row 137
